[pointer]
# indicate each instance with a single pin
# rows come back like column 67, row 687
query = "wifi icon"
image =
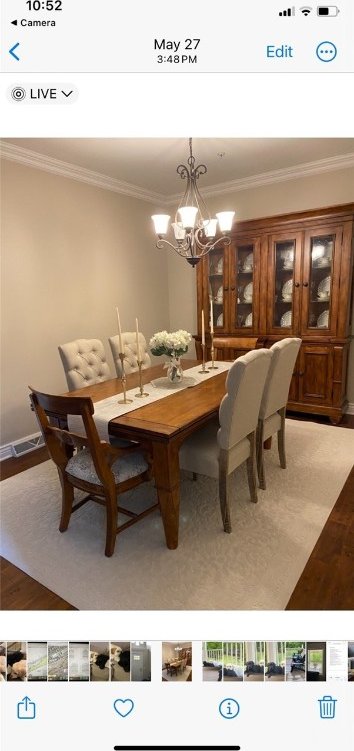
column 306, row 10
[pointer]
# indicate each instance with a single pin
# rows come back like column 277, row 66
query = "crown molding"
column 308, row 169
column 81, row 174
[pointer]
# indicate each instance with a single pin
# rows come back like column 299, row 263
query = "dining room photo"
column 176, row 661
column 177, row 369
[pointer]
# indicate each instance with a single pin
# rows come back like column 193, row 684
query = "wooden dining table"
column 174, row 666
column 165, row 424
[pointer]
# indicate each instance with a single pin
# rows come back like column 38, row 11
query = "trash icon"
column 327, row 707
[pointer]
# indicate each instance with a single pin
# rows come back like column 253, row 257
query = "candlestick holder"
column 124, row 382
column 212, row 352
column 204, row 370
column 141, row 387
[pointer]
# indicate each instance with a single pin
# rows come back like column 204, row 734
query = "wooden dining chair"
column 99, row 469
column 231, row 347
column 217, row 449
column 273, row 405
column 130, row 352
column 84, row 362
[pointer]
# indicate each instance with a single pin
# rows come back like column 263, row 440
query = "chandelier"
column 193, row 228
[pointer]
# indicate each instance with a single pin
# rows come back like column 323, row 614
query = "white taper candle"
column 211, row 315
column 137, row 340
column 121, row 350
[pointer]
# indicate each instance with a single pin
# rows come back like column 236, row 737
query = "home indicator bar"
column 177, row 748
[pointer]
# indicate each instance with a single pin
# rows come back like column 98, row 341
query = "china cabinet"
column 288, row 275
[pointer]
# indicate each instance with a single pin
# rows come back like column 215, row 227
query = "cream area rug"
column 255, row 567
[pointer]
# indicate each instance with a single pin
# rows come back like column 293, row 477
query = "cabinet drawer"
column 315, row 375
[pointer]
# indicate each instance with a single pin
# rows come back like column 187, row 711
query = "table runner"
column 158, row 388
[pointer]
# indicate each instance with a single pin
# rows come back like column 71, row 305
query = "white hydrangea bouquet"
column 173, row 344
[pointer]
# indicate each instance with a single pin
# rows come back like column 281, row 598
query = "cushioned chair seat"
column 82, row 467
column 200, row 453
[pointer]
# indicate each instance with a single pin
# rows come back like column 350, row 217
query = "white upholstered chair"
column 219, row 448
column 275, row 396
column 130, row 352
column 84, row 362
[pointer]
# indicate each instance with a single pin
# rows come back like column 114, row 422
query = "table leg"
column 166, row 473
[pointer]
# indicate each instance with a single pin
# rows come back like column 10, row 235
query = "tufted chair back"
column 129, row 345
column 84, row 362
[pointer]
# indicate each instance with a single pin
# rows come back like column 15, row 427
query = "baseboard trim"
column 350, row 410
column 6, row 452
column 32, row 442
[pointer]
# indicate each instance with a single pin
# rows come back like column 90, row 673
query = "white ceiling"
column 150, row 163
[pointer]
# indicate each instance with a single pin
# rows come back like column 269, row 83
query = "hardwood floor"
column 20, row 592
column 326, row 583
column 10, row 467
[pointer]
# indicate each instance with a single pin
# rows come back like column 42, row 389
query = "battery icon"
column 327, row 10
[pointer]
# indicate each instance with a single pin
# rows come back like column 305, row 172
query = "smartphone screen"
column 177, row 368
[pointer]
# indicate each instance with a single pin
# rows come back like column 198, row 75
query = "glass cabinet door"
column 242, row 308
column 319, row 285
column 285, row 260
column 217, row 289
column 243, row 291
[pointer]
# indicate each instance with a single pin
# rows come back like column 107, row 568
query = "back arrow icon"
column 11, row 51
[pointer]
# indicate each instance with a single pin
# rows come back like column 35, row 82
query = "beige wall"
column 295, row 195
column 168, row 653
column 70, row 254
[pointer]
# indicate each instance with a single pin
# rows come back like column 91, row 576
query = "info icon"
column 229, row 708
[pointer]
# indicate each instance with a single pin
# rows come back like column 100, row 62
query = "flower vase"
column 174, row 370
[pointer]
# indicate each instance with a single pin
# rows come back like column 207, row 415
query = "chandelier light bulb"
column 188, row 215
column 210, row 227
column 225, row 220
column 179, row 232
column 161, row 223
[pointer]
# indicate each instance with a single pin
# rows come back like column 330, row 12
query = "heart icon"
column 123, row 707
